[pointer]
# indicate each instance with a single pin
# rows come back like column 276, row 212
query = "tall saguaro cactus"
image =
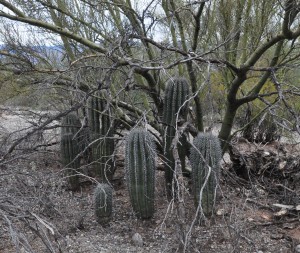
column 99, row 117
column 140, row 156
column 205, row 159
column 175, row 110
column 70, row 148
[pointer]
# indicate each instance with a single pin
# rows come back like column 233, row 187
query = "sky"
column 20, row 31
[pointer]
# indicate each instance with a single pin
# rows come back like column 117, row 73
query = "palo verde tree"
column 135, row 46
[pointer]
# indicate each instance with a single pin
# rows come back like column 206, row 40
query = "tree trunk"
column 227, row 125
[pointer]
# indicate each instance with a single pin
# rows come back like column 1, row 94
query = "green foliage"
column 103, row 203
column 100, row 124
column 212, row 95
column 70, row 148
column 140, row 156
column 205, row 158
column 175, row 101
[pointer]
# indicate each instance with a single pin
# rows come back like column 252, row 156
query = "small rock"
column 33, row 166
column 169, row 231
column 220, row 212
column 137, row 240
column 297, row 248
column 260, row 251
column 158, row 221
column 276, row 236
column 288, row 225
column 24, row 250
column 281, row 212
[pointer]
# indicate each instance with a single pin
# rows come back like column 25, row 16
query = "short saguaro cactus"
column 205, row 161
column 140, row 156
column 103, row 203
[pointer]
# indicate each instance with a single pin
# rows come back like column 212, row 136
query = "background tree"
column 154, row 40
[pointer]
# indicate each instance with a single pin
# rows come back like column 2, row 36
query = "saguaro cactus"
column 103, row 203
column 175, row 101
column 102, row 135
column 70, row 124
column 70, row 148
column 140, row 156
column 205, row 159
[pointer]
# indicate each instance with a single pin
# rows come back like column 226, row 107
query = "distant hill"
column 35, row 53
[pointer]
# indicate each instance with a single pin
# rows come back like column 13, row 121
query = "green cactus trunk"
column 84, row 142
column 103, row 203
column 102, row 136
column 176, row 94
column 140, row 157
column 70, row 124
column 70, row 149
column 205, row 159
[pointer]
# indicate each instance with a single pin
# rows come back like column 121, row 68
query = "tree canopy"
column 133, row 47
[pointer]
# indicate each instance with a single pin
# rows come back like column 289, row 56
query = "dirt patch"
column 245, row 220
column 39, row 214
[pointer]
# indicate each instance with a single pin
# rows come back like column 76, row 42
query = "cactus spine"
column 176, row 94
column 70, row 148
column 205, row 154
column 140, row 156
column 102, row 135
column 103, row 203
